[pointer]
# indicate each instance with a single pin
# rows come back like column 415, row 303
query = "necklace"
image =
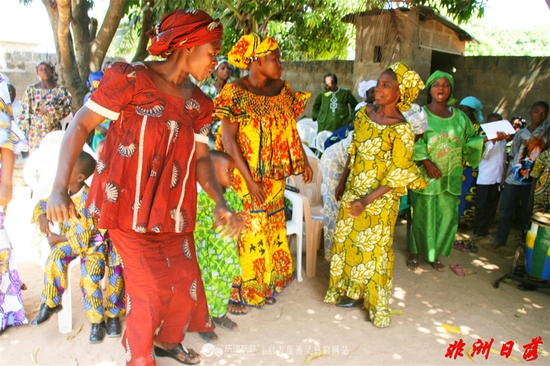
column 333, row 101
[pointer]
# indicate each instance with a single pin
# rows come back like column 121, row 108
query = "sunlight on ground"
column 480, row 262
column 399, row 293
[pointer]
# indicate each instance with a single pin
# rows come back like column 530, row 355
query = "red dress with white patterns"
column 144, row 192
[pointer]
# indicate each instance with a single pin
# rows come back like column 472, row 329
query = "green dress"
column 217, row 255
column 362, row 255
column 435, row 209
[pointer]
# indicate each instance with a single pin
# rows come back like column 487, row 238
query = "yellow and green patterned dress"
column 362, row 255
column 269, row 142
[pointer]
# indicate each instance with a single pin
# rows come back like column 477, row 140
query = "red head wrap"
column 183, row 28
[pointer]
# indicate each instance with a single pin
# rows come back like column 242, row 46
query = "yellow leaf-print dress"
column 362, row 256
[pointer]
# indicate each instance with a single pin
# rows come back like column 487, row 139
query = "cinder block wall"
column 308, row 76
column 506, row 85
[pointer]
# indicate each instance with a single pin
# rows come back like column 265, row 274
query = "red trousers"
column 165, row 293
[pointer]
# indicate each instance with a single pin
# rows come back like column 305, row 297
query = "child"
column 217, row 255
column 79, row 236
column 528, row 142
column 491, row 169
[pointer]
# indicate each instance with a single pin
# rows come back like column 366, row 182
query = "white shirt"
column 491, row 167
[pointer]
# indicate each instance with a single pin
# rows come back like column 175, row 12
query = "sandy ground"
column 300, row 324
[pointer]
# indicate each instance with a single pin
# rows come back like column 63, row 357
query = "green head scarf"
column 438, row 75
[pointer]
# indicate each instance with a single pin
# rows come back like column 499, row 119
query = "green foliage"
column 459, row 10
column 496, row 41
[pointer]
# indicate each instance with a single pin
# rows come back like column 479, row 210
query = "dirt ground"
column 301, row 329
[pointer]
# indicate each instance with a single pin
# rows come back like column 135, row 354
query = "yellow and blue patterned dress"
column 362, row 255
column 86, row 240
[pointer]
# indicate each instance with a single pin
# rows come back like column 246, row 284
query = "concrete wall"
column 506, row 85
column 308, row 76
column 19, row 66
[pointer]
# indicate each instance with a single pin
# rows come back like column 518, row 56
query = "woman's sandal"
column 209, row 337
column 472, row 247
column 413, row 264
column 174, row 352
column 460, row 246
column 225, row 323
column 270, row 301
column 438, row 266
column 457, row 269
column 241, row 307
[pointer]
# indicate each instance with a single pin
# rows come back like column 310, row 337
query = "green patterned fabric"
column 446, row 142
column 217, row 255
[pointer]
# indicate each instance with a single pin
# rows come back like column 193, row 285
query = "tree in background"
column 80, row 46
column 306, row 29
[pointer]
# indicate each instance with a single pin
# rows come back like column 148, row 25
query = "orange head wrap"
column 249, row 48
column 183, row 28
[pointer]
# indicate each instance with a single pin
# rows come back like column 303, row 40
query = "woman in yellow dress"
column 258, row 114
column 378, row 172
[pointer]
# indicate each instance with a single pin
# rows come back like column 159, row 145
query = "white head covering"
column 365, row 86
column 4, row 91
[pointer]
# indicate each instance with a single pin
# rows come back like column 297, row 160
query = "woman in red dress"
column 144, row 189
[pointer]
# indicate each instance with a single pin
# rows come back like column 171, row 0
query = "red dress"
column 144, row 191
column 145, row 178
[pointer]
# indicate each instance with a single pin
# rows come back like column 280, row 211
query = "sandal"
column 438, row 266
column 174, row 352
column 209, row 337
column 459, row 245
column 270, row 301
column 241, row 309
column 225, row 323
column 457, row 269
column 413, row 264
column 471, row 246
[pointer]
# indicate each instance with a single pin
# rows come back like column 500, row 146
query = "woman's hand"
column 308, row 173
column 232, row 225
column 256, row 190
column 339, row 191
column 60, row 207
column 6, row 192
column 432, row 170
column 357, row 207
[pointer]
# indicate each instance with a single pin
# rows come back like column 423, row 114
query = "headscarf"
column 93, row 80
column 365, row 86
column 222, row 60
column 183, row 28
column 476, row 105
column 410, row 84
column 249, row 48
column 438, row 75
column 5, row 99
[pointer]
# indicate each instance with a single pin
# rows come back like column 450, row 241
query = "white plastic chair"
column 65, row 316
column 309, row 122
column 296, row 227
column 321, row 138
column 307, row 134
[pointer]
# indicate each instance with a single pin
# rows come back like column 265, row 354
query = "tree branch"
column 100, row 45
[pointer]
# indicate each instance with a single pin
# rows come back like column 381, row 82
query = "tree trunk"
column 78, row 52
column 146, row 24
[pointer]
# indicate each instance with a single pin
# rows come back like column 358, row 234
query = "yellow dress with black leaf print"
column 362, row 256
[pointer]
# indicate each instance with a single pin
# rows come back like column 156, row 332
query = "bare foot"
column 236, row 309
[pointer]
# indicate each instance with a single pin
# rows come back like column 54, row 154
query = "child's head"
column 493, row 117
column 539, row 112
column 84, row 167
column 224, row 167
